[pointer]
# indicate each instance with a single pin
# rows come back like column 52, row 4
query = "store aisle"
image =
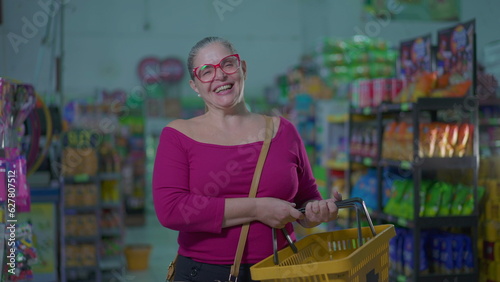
column 164, row 247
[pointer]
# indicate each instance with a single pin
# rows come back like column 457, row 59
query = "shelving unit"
column 104, row 266
column 417, row 166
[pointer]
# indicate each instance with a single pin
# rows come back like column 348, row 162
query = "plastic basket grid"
column 332, row 256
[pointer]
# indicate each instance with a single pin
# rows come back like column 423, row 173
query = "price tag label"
column 405, row 164
column 367, row 111
column 402, row 221
column 405, row 106
column 81, row 178
column 367, row 161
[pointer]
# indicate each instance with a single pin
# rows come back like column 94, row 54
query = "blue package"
column 458, row 252
column 468, row 254
column 366, row 189
column 446, row 255
column 399, row 251
column 408, row 254
column 436, row 253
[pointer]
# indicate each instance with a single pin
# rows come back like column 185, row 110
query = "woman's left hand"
column 323, row 210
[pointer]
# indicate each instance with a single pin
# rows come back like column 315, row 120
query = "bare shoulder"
column 185, row 126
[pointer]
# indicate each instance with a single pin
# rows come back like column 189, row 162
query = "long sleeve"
column 177, row 206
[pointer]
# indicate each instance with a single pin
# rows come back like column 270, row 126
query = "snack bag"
column 447, row 192
column 400, row 144
column 433, row 200
column 446, row 255
column 388, row 139
column 468, row 206
column 442, row 139
column 399, row 189
column 464, row 138
column 427, row 142
column 460, row 195
column 452, row 141
column 424, row 85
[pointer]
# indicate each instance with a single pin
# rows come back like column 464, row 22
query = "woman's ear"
column 193, row 86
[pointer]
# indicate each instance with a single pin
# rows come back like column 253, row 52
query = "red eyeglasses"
column 229, row 65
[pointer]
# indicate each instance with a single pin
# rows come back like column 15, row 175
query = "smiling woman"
column 205, row 166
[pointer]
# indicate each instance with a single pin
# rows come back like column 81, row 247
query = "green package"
column 399, row 188
column 432, row 200
column 447, row 191
column 459, row 199
column 469, row 201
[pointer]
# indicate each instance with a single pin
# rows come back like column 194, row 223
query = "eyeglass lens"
column 228, row 65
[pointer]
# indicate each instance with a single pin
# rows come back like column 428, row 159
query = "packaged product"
column 442, row 139
column 406, row 204
column 468, row 206
column 469, row 260
column 464, row 140
column 447, row 192
column 408, row 254
column 452, row 140
column 446, row 254
column 400, row 144
column 388, row 139
column 400, row 188
column 461, row 193
column 436, row 252
column 458, row 252
column 425, row 83
column 433, row 200
column 428, row 135
column 366, row 189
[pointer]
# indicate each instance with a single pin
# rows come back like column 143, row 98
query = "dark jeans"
column 187, row 269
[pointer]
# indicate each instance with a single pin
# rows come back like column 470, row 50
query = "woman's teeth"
column 223, row 87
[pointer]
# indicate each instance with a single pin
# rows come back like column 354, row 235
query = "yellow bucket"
column 137, row 256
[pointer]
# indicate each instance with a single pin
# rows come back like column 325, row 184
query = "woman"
column 204, row 167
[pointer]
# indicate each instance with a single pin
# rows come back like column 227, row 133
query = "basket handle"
column 357, row 203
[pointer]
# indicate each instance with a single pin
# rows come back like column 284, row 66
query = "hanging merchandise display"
column 17, row 250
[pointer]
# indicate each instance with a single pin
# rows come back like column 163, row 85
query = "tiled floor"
column 164, row 247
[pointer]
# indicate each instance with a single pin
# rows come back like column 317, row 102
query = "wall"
column 105, row 40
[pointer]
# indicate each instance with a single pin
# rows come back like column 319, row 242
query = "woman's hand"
column 276, row 213
column 321, row 211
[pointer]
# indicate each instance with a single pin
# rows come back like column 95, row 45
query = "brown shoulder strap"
column 235, row 268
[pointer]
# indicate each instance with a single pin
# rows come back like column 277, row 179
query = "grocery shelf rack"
column 417, row 166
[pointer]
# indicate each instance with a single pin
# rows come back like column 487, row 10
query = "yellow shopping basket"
column 354, row 255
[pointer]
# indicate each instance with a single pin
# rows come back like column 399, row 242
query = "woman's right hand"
column 276, row 213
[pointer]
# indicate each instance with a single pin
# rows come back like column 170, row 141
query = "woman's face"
column 226, row 90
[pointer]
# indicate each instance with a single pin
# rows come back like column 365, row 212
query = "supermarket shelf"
column 111, row 205
column 435, row 104
column 110, row 176
column 459, row 277
column 336, row 165
column 433, row 163
column 80, row 239
column 82, row 268
column 492, row 101
column 464, row 277
column 366, row 111
column 490, row 122
column 45, row 194
column 367, row 161
column 73, row 210
column 111, row 232
column 337, row 118
column 81, row 178
column 395, row 163
column 112, row 263
column 402, row 107
column 447, row 163
column 429, row 222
